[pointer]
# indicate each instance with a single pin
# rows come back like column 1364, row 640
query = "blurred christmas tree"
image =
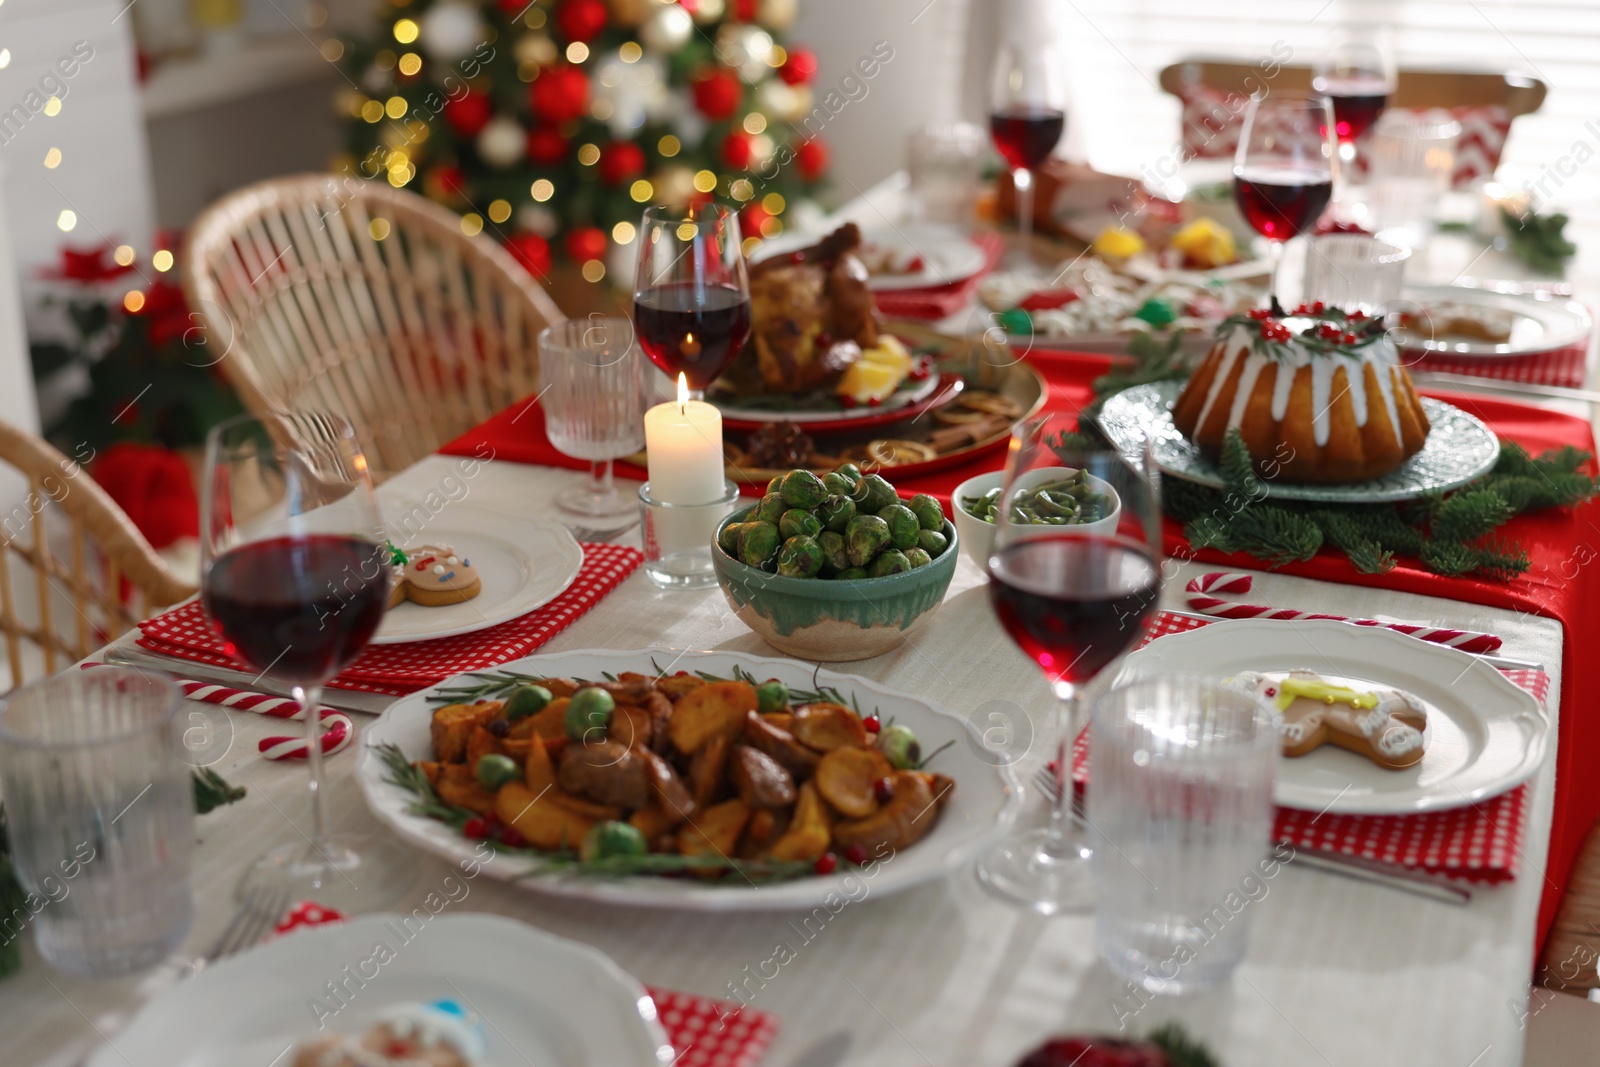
column 552, row 123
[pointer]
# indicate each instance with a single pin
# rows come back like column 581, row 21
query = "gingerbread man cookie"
column 432, row 575
column 1384, row 725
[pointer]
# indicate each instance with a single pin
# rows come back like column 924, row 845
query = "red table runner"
column 1563, row 582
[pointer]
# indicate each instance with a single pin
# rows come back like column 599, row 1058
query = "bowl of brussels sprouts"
column 1057, row 496
column 835, row 567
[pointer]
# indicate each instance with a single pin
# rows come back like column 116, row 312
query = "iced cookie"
column 433, row 575
column 441, row 1034
column 1385, row 725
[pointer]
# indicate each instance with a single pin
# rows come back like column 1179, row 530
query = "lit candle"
column 683, row 440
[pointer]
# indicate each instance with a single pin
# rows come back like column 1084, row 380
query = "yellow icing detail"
column 1328, row 693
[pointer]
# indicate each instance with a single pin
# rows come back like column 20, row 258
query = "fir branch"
column 1449, row 558
column 212, row 791
column 1470, row 514
column 1238, row 469
column 1181, row 1049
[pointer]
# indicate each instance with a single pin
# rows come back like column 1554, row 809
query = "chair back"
column 325, row 291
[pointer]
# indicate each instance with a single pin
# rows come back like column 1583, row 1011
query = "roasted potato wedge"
column 766, row 825
column 760, row 780
column 452, row 726
column 458, row 786
column 679, row 684
column 552, row 721
column 716, row 709
column 795, row 758
column 667, row 789
column 900, row 823
column 539, row 769
column 629, row 692
column 632, row 726
column 580, row 806
column 542, row 824
column 559, row 687
column 715, row 831
column 783, row 720
column 480, row 744
column 845, row 779
column 808, row 835
column 826, row 726
column 517, row 748
column 431, row 769
column 708, row 771
column 656, row 826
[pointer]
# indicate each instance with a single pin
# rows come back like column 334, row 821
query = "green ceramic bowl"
column 820, row 619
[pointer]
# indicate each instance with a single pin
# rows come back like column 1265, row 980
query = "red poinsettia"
column 738, row 150
column 153, row 485
column 559, row 94
column 166, row 312
column 800, row 67
column 87, row 265
column 716, row 92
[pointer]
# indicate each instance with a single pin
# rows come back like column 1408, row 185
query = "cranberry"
column 500, row 727
column 1349, row 338
column 511, row 837
column 1303, row 309
column 1260, row 314
column 919, row 373
column 873, row 402
column 477, row 828
column 824, row 341
column 872, row 724
column 1054, row 765
column 847, row 402
column 1318, row 308
column 883, row 790
column 826, row 863
column 856, row 855
column 1358, row 315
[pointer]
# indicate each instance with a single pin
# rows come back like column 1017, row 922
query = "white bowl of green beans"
column 1059, row 496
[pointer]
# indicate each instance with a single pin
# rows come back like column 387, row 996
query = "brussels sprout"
column 495, row 770
column 893, row 561
column 851, row 471
column 837, row 484
column 900, row 747
column 864, row 537
column 589, row 713
column 836, row 512
column 797, row 522
column 772, row 486
column 527, row 700
column 850, row 574
column 874, row 494
column 802, row 489
column 927, row 511
column 917, row 557
column 903, row 525
column 612, row 839
column 770, row 509
column 800, row 557
column 932, row 542
column 728, row 538
column 759, row 543
column 834, row 553
column 771, row 696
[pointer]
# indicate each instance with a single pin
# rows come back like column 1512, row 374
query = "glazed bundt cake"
column 1318, row 396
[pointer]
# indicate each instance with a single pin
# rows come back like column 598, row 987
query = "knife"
column 342, row 699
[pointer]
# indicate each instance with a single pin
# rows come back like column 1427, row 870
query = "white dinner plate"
column 1540, row 323
column 947, row 256
column 542, row 999
column 1485, row 734
column 984, row 803
column 524, row 563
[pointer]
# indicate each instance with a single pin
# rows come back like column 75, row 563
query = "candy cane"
column 336, row 736
column 1203, row 597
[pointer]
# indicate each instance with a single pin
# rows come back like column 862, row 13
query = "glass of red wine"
column 1356, row 74
column 1283, row 170
column 1075, row 578
column 295, row 577
column 1027, row 115
column 691, row 293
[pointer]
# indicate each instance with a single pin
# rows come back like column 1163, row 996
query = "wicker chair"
column 103, row 552
column 327, row 291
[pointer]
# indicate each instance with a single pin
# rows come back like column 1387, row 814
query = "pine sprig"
column 1181, row 1049
column 212, row 791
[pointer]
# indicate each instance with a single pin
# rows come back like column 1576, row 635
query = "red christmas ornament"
column 581, row 20
column 559, row 94
column 738, row 150
column 744, row 10
column 716, row 93
column 800, row 67
column 586, row 243
column 811, row 156
column 752, row 218
column 469, row 114
column 546, row 145
column 620, row 161
column 532, row 251
column 512, row 8
column 90, row 265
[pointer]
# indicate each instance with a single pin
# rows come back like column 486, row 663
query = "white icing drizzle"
column 1397, row 740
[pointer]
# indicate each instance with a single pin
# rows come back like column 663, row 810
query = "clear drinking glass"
column 101, row 815
column 593, row 398
column 1412, row 159
column 1074, row 597
column 1352, row 270
column 944, row 164
column 1181, row 772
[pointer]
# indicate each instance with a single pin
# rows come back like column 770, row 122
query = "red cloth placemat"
column 1478, row 843
column 1566, row 367
column 937, row 302
column 396, row 670
column 712, row 1033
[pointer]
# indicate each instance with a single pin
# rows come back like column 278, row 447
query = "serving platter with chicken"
column 701, row 780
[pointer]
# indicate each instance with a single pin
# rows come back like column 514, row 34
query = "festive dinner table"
column 1339, row 971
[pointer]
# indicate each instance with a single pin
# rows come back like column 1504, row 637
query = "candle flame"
column 683, row 393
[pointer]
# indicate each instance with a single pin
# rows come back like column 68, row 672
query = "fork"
column 259, row 913
column 598, row 536
column 1422, row 885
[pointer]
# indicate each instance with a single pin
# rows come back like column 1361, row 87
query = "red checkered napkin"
column 939, row 301
column 713, row 1033
column 1566, row 367
column 396, row 670
column 1478, row 843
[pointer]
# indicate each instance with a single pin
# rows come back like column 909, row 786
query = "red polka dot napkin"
column 1481, row 842
column 1565, row 367
column 713, row 1033
column 184, row 633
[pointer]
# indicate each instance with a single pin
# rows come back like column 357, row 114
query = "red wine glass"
column 1075, row 577
column 1027, row 115
column 1357, row 75
column 1283, row 170
column 691, row 293
column 295, row 577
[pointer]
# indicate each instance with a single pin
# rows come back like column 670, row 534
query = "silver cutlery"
column 259, row 913
column 346, row 700
column 1473, row 383
column 600, row 536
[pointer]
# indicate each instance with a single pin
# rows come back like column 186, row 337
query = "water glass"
column 1411, row 159
column 593, row 398
column 1353, row 270
column 101, row 814
column 1180, row 795
column 944, row 162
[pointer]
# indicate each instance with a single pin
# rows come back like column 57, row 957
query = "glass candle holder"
column 678, row 538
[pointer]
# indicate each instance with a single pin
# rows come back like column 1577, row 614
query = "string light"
column 623, row 233
column 630, row 52
column 162, row 261
column 52, row 106
column 534, row 19
column 750, row 245
column 773, row 204
column 742, row 189
column 594, row 270
column 5, row 58
column 372, row 111
column 410, row 63
column 542, row 190
column 641, row 191
column 705, row 181
column 499, row 211
column 577, row 52
column 123, row 255
column 378, row 228
column 66, row 220
column 384, row 60
column 405, row 31
column 669, row 146
column 133, row 301
column 396, row 107
column 755, row 122
column 588, row 155
column 52, row 159
column 332, row 50
column 471, row 224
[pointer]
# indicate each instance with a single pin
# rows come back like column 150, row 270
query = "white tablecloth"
column 1339, row 972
